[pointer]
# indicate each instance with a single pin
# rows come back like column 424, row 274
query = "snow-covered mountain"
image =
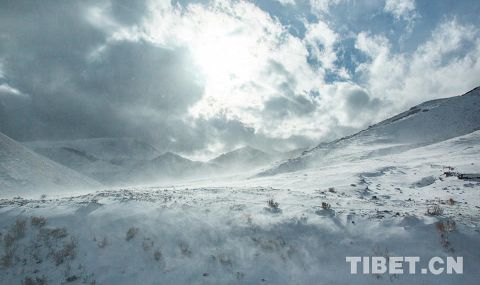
column 108, row 160
column 109, row 149
column 169, row 166
column 419, row 200
column 427, row 123
column 244, row 158
column 22, row 171
column 230, row 234
column 120, row 161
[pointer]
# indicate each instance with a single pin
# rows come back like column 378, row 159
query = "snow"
column 120, row 161
column 170, row 167
column 226, row 234
column 23, row 171
column 427, row 123
column 244, row 158
column 107, row 160
column 370, row 194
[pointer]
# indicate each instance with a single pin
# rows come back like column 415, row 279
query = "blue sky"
column 201, row 77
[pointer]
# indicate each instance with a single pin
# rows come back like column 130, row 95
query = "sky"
column 203, row 77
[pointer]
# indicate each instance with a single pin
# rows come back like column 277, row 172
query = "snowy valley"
column 409, row 185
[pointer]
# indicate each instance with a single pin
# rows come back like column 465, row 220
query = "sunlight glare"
column 227, row 60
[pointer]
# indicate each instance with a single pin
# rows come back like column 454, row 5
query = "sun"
column 222, row 58
column 226, row 60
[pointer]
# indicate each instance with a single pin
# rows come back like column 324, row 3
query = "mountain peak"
column 170, row 156
column 243, row 158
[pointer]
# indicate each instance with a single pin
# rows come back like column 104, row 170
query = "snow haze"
column 239, row 142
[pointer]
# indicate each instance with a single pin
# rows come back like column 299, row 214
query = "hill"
column 23, row 171
column 427, row 123
column 108, row 160
column 244, row 158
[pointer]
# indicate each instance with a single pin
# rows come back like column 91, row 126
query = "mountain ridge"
column 428, row 122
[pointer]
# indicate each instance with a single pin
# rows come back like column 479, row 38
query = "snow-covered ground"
column 223, row 232
column 371, row 194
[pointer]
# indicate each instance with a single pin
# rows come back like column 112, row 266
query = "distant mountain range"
column 107, row 160
column 115, row 161
column 244, row 158
column 120, row 161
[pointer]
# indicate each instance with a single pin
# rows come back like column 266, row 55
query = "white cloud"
column 227, row 72
column 286, row 2
column 257, row 73
column 401, row 9
column 322, row 6
column 6, row 89
column 444, row 65
column 322, row 39
column 247, row 58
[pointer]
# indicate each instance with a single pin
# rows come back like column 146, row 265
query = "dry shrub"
column 446, row 226
column 68, row 252
column 131, row 233
column 435, row 210
column 185, row 249
column 15, row 233
column 157, row 255
column 54, row 233
column 7, row 259
column 19, row 228
column 272, row 204
column 38, row 221
column 326, row 206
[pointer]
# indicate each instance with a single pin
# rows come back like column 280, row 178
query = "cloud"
column 287, row 2
column 6, row 89
column 321, row 40
column 250, row 61
column 131, row 88
column 201, row 77
column 444, row 65
column 323, row 6
column 401, row 9
column 108, row 72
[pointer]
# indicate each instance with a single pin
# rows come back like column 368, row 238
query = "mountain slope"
column 171, row 166
column 229, row 234
column 22, row 171
column 109, row 160
column 243, row 158
column 431, row 121
column 427, row 123
column 174, row 165
column 102, row 148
